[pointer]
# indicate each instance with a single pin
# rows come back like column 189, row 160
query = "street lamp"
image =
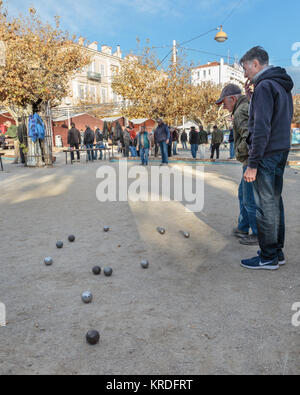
column 68, row 103
column 221, row 37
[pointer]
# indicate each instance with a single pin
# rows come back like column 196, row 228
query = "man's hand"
column 249, row 89
column 167, row 142
column 250, row 175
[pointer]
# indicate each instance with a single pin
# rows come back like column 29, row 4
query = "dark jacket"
column 162, row 133
column 240, row 129
column 89, row 136
column 217, row 137
column 74, row 137
column 203, row 137
column 99, row 136
column 184, row 137
column 271, row 113
column 175, row 136
column 231, row 136
column 194, row 137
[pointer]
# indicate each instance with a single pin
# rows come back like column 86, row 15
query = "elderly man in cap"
column 238, row 105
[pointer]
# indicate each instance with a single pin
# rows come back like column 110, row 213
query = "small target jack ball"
column 162, row 231
column 48, row 261
column 59, row 244
column 186, row 235
column 71, row 238
column 96, row 270
column 108, row 271
column 106, row 229
column 87, row 297
column 145, row 264
column 93, row 337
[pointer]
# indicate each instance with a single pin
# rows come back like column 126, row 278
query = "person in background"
column 82, row 139
column 144, row 145
column 99, row 142
column 183, row 139
column 162, row 137
column 203, row 140
column 175, row 138
column 231, row 142
column 89, row 138
column 74, row 140
column 216, row 140
column 194, row 141
column 170, row 146
column 126, row 139
column 270, row 117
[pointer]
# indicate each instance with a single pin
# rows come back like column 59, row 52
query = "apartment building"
column 93, row 83
column 218, row 73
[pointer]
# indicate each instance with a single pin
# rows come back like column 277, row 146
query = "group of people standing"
column 77, row 140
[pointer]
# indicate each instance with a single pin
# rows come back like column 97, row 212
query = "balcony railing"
column 94, row 76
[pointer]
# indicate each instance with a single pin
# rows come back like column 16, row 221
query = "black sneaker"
column 251, row 240
column 239, row 233
column 281, row 257
column 257, row 263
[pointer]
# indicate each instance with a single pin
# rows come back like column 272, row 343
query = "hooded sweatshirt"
column 271, row 113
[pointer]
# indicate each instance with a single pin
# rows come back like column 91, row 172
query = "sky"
column 272, row 24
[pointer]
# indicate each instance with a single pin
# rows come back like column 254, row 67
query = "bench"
column 1, row 164
column 105, row 150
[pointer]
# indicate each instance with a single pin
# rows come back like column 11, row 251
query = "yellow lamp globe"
column 221, row 37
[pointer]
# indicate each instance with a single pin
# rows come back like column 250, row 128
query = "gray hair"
column 257, row 53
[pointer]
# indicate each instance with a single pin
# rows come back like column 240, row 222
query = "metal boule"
column 162, row 231
column 87, row 297
column 106, row 229
column 59, row 244
column 71, row 238
column 93, row 337
column 108, row 271
column 96, row 270
column 145, row 264
column 48, row 261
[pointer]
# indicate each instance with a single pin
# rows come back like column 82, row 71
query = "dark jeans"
column 215, row 147
column 99, row 145
column 270, row 211
column 247, row 218
column 144, row 155
column 164, row 152
column 90, row 151
column 194, row 149
column 76, row 146
column 232, row 153
column 126, row 150
column 184, row 145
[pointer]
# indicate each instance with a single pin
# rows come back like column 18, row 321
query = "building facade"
column 218, row 73
column 93, row 83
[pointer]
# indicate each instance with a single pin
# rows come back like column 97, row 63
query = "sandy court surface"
column 194, row 311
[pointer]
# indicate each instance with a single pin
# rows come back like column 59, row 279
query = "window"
column 103, row 95
column 204, row 74
column 93, row 92
column 81, row 91
column 92, row 67
column 103, row 70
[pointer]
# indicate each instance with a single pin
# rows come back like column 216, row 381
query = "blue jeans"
column 90, row 152
column 184, row 145
column 133, row 152
column 144, row 155
column 270, row 211
column 175, row 148
column 194, row 148
column 164, row 152
column 232, row 153
column 247, row 218
column 100, row 152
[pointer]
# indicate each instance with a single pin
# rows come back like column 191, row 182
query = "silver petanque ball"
column 145, row 264
column 48, row 261
column 106, row 229
column 87, row 297
column 162, row 231
column 186, row 235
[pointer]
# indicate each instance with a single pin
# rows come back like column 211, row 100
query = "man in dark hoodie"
column 74, row 140
column 271, row 112
column 89, row 137
column 162, row 137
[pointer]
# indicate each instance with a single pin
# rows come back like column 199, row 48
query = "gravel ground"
column 194, row 311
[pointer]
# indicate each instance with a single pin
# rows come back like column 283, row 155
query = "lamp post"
column 68, row 103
